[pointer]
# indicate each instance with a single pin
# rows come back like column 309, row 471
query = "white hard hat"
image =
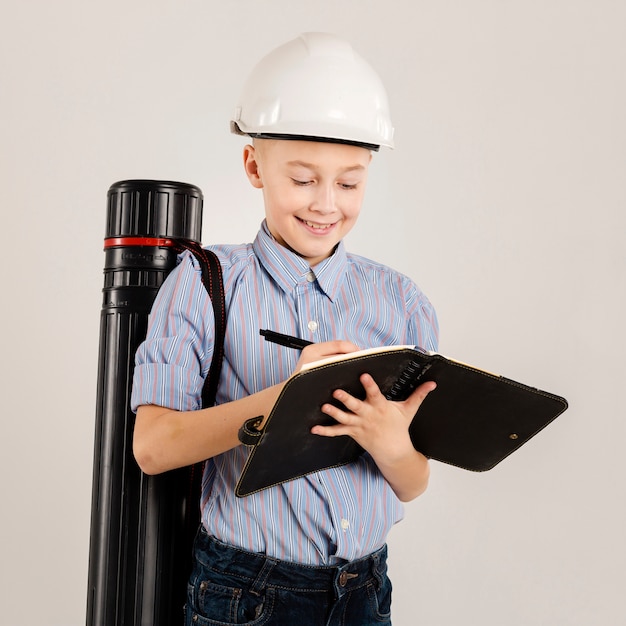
column 315, row 87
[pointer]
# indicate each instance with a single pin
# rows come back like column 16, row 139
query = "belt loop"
column 378, row 565
column 376, row 559
column 261, row 580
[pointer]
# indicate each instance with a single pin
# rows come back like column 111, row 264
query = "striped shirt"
column 325, row 518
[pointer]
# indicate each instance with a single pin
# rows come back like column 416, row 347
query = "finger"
column 372, row 390
column 414, row 401
column 329, row 348
column 326, row 349
column 341, row 346
column 349, row 401
column 343, row 417
column 330, row 431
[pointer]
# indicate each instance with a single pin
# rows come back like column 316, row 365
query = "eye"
column 348, row 186
column 301, row 183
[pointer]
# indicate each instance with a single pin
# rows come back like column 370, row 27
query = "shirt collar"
column 288, row 269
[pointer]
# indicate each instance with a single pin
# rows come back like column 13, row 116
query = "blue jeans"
column 232, row 586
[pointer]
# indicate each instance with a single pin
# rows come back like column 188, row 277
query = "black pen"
column 285, row 340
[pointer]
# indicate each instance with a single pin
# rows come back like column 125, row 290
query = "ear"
column 252, row 166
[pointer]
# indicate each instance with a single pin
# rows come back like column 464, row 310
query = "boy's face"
column 313, row 191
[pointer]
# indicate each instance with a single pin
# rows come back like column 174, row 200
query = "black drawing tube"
column 141, row 526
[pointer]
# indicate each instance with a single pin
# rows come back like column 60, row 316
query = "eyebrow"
column 311, row 166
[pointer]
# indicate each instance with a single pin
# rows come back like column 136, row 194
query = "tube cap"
column 154, row 208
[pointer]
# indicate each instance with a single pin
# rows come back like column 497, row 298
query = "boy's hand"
column 323, row 350
column 381, row 427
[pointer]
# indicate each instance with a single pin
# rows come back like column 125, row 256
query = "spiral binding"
column 408, row 381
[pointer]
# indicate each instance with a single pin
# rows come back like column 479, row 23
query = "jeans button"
column 343, row 579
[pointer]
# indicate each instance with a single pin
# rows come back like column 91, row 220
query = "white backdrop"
column 505, row 200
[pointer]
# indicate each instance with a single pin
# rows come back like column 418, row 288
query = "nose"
column 324, row 201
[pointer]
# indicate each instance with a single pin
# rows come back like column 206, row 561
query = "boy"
column 312, row 550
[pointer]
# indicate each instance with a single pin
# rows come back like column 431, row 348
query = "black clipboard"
column 473, row 420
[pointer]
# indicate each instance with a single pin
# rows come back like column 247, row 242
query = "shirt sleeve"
column 423, row 327
column 172, row 362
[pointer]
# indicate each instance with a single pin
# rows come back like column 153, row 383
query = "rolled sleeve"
column 423, row 324
column 172, row 362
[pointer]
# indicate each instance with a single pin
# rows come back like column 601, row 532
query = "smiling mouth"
column 316, row 226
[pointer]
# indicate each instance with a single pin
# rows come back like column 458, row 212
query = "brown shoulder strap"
column 212, row 280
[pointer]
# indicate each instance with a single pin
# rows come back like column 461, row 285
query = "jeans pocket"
column 212, row 604
column 380, row 599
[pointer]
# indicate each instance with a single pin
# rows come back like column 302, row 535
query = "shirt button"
column 310, row 276
column 312, row 326
column 345, row 524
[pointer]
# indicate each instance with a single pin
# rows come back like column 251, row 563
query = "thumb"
column 414, row 401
